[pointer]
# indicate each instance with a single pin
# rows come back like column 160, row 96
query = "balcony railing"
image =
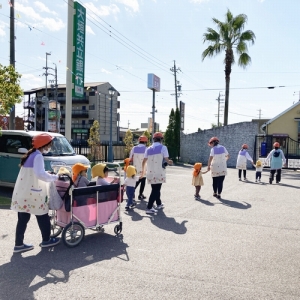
column 63, row 99
column 77, row 113
column 83, row 126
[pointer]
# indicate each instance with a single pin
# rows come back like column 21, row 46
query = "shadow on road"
column 289, row 185
column 205, row 202
column 23, row 276
column 164, row 222
column 235, row 204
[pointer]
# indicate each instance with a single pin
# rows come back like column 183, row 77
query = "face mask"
column 46, row 151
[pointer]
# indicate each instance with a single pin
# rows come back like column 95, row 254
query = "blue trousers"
column 130, row 194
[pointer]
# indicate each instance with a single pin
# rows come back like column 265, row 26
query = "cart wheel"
column 73, row 234
column 55, row 229
column 118, row 229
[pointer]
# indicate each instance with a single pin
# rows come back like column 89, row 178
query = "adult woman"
column 241, row 162
column 217, row 163
column 30, row 195
column 277, row 159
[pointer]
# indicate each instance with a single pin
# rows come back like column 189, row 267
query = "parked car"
column 15, row 143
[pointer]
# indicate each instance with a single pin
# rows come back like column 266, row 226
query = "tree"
column 10, row 90
column 148, row 135
column 177, row 132
column 128, row 140
column 228, row 37
column 213, row 125
column 169, row 137
column 94, row 142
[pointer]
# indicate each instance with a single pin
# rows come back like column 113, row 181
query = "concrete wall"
column 194, row 147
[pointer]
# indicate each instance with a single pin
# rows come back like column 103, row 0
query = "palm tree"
column 228, row 37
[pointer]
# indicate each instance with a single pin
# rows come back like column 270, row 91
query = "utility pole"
column 219, row 107
column 55, row 85
column 128, row 124
column 46, row 100
column 12, row 57
column 259, row 114
column 175, row 70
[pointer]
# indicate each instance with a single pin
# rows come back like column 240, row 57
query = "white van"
column 15, row 143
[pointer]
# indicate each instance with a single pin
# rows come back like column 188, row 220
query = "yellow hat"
column 130, row 171
column 63, row 170
column 258, row 163
column 98, row 170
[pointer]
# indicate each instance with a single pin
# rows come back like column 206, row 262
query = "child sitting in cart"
column 79, row 175
column 101, row 172
column 130, row 183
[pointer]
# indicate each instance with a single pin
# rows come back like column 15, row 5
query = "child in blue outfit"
column 130, row 183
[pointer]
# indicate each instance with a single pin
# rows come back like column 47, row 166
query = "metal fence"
column 290, row 148
column 118, row 152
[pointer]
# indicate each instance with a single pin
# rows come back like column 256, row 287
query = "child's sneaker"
column 141, row 197
column 126, row 207
column 23, row 248
column 240, row 179
column 50, row 243
column 132, row 205
column 151, row 211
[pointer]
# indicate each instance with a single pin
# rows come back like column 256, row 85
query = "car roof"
column 28, row 133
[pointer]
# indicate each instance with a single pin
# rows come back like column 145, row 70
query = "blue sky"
column 127, row 39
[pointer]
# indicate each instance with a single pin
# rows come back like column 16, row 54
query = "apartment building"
column 95, row 105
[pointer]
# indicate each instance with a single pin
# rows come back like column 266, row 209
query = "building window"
column 92, row 93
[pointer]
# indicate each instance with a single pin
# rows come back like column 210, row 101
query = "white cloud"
column 89, row 29
column 33, row 80
column 102, row 10
column 132, row 4
column 199, row 1
column 43, row 8
column 50, row 23
column 2, row 28
column 105, row 71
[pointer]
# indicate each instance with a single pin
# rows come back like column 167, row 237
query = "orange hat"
column 143, row 138
column 158, row 135
column 41, row 140
column 213, row 139
column 77, row 168
column 197, row 168
column 126, row 162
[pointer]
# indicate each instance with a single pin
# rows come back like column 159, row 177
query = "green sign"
column 78, row 54
column 52, row 114
column 80, row 131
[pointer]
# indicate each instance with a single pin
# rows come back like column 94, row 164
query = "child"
column 79, row 175
column 130, row 183
column 197, row 179
column 258, row 168
column 101, row 171
column 241, row 163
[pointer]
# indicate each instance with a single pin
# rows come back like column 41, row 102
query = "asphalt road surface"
column 244, row 246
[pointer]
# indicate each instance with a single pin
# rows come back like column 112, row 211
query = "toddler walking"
column 258, row 169
column 130, row 183
column 197, row 180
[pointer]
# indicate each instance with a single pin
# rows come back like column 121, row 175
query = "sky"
column 128, row 39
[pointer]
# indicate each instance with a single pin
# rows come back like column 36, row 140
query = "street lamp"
column 111, row 92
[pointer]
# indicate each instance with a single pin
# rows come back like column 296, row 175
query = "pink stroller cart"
column 90, row 207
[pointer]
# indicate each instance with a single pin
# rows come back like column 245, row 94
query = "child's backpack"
column 63, row 185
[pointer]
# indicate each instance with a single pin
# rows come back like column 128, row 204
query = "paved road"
column 246, row 246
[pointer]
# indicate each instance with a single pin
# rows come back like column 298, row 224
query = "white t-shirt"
column 129, row 181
